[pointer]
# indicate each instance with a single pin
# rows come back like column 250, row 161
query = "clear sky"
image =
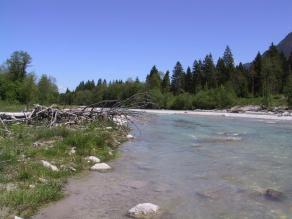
column 74, row 40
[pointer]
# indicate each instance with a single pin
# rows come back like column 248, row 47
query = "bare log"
column 118, row 111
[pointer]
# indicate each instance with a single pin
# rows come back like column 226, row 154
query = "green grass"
column 276, row 100
column 11, row 107
column 36, row 185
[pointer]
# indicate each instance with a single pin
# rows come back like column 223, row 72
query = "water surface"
column 193, row 167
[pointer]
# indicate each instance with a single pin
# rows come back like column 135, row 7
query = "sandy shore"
column 250, row 114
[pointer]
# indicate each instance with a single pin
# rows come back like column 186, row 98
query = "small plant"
column 32, row 184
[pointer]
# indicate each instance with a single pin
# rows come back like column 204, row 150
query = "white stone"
column 143, row 210
column 286, row 114
column 93, row 159
column 100, row 167
column 11, row 187
column 42, row 180
column 109, row 128
column 72, row 151
column 16, row 217
column 32, row 186
column 49, row 165
column 130, row 136
column 120, row 120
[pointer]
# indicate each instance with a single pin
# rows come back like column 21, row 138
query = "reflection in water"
column 192, row 167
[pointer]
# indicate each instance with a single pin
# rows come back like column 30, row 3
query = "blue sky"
column 74, row 40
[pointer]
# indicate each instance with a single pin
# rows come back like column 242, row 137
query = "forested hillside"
column 205, row 84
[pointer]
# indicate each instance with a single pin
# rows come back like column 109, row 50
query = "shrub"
column 215, row 98
column 182, row 102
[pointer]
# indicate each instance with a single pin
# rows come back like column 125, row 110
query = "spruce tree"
column 229, row 63
column 177, row 79
column 189, row 81
column 275, row 66
column 255, row 75
column 209, row 72
column 240, row 81
column 198, row 75
column 221, row 70
column 153, row 80
column 165, row 84
column 288, row 90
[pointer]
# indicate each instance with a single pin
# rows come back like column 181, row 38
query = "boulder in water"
column 144, row 210
column 273, row 195
column 130, row 136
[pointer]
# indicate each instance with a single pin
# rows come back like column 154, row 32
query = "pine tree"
column 229, row 63
column 177, row 79
column 275, row 67
column 221, row 70
column 255, row 75
column 269, row 80
column 228, row 58
column 153, row 80
column 189, row 81
column 289, row 61
column 288, row 90
column 165, row 84
column 240, row 81
column 198, row 75
column 209, row 72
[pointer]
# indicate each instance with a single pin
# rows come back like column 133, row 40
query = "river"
column 193, row 167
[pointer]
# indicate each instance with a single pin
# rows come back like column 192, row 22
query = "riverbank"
column 265, row 115
column 35, row 162
column 191, row 167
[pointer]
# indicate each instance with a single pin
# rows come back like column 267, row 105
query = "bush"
column 204, row 100
column 224, row 97
column 182, row 102
column 215, row 98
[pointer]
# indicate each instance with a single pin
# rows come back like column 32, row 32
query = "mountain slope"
column 285, row 45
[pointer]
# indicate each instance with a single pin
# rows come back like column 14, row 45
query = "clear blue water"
column 193, row 167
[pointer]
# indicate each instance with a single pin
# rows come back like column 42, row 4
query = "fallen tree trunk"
column 116, row 111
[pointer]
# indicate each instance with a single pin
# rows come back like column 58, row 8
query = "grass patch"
column 11, row 107
column 276, row 100
column 25, row 184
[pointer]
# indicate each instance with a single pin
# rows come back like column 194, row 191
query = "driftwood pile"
column 119, row 112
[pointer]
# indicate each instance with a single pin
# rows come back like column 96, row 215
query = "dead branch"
column 119, row 112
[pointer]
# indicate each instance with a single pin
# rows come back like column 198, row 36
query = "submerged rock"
column 273, row 195
column 100, row 167
column 49, row 165
column 130, row 136
column 144, row 210
column 93, row 159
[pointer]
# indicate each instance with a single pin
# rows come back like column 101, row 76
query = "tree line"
column 17, row 85
column 206, row 84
